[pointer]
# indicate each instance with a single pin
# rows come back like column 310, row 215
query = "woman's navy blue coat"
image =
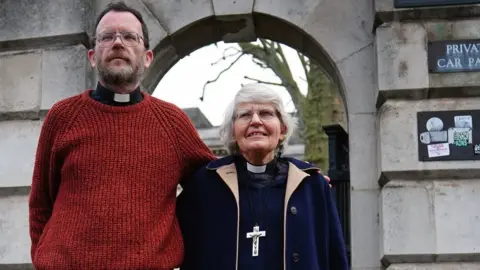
column 207, row 210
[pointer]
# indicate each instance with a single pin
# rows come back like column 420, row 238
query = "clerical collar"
column 245, row 165
column 106, row 96
column 256, row 169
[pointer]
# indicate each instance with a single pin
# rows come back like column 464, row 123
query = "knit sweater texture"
column 104, row 185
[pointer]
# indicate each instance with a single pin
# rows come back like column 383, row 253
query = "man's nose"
column 117, row 41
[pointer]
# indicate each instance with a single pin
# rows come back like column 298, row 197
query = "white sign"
column 438, row 150
column 463, row 121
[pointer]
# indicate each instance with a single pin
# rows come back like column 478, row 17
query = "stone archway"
column 43, row 57
column 335, row 34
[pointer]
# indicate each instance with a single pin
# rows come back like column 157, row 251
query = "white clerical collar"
column 256, row 169
column 122, row 98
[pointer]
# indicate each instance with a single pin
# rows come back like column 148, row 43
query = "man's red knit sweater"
column 104, row 185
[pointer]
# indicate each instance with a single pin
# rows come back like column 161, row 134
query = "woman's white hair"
column 255, row 93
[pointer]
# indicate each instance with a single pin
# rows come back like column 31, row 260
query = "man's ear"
column 91, row 57
column 148, row 58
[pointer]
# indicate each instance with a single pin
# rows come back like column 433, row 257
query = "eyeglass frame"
column 257, row 112
column 118, row 34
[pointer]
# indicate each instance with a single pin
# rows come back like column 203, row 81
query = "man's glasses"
column 129, row 39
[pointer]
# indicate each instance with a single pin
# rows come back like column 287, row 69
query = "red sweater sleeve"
column 194, row 151
column 45, row 179
column 191, row 148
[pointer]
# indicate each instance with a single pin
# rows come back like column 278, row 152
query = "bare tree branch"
column 264, row 46
column 231, row 48
column 264, row 42
column 270, row 47
column 282, row 56
column 305, row 65
column 267, row 53
column 265, row 82
column 219, row 75
column 259, row 63
column 225, row 56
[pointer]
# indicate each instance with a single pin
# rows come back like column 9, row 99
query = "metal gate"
column 339, row 173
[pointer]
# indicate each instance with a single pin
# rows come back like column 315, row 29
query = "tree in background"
column 322, row 104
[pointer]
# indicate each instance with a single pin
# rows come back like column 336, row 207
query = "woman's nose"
column 255, row 119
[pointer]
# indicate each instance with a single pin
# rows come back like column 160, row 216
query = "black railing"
column 339, row 173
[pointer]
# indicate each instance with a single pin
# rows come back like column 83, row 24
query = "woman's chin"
column 257, row 150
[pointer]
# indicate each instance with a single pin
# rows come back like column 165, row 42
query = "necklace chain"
column 265, row 202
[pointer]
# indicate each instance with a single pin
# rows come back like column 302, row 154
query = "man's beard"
column 127, row 75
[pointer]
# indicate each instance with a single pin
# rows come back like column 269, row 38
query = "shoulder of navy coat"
column 304, row 166
column 207, row 214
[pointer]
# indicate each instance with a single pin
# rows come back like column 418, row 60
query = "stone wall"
column 428, row 213
column 42, row 60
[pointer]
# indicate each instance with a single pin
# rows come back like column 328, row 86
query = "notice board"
column 448, row 135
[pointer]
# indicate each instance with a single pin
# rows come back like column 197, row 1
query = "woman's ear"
column 237, row 149
column 283, row 132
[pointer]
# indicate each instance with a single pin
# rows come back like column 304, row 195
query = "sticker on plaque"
column 438, row 150
column 460, row 136
column 463, row 121
column 434, row 124
column 425, row 137
column 476, row 149
column 435, row 133
column 433, row 137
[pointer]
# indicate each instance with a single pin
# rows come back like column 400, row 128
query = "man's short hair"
column 122, row 7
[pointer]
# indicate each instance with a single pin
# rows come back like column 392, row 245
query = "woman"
column 255, row 209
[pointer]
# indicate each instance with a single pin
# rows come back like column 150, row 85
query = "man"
column 108, row 163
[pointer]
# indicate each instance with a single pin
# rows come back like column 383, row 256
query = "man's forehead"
column 116, row 21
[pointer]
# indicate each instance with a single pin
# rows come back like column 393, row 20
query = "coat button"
column 293, row 210
column 296, row 257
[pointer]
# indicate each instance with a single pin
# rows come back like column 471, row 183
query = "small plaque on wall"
column 431, row 3
column 454, row 56
column 448, row 135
